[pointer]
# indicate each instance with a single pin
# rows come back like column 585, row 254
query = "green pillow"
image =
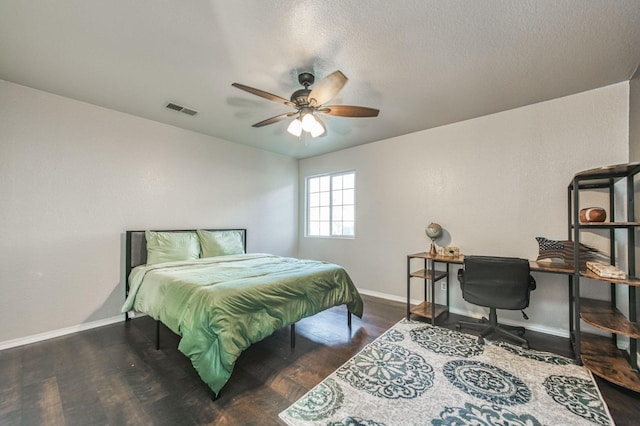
column 220, row 243
column 171, row 246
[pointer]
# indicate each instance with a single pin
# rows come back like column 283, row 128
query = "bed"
column 219, row 299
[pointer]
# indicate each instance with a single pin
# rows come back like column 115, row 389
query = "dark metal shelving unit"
column 598, row 354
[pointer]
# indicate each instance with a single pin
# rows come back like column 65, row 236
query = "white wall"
column 494, row 183
column 74, row 177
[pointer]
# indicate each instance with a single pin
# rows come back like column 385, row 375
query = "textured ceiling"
column 423, row 63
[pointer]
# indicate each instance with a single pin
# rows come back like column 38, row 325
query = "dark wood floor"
column 113, row 375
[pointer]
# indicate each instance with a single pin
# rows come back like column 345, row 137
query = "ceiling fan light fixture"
column 313, row 126
column 318, row 129
column 309, row 122
column 295, row 128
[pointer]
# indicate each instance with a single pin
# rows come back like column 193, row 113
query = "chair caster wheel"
column 525, row 346
column 458, row 327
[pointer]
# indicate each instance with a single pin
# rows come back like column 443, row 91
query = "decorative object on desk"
column 416, row 373
column 433, row 231
column 449, row 251
column 593, row 214
column 606, row 270
column 562, row 251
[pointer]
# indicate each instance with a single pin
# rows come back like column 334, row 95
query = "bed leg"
column 293, row 335
column 157, row 334
column 349, row 319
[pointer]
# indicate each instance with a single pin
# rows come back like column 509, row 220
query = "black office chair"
column 497, row 283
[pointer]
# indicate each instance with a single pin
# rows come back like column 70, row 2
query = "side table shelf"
column 425, row 310
column 429, row 274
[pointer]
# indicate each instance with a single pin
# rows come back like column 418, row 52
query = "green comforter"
column 221, row 305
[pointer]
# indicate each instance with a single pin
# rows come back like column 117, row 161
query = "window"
column 331, row 204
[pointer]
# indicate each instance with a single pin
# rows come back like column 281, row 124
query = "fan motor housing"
column 301, row 97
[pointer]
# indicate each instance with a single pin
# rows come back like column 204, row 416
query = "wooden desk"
column 430, row 274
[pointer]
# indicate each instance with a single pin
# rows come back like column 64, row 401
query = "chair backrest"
column 496, row 282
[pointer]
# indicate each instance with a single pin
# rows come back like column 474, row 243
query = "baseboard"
column 383, row 295
column 60, row 332
column 529, row 326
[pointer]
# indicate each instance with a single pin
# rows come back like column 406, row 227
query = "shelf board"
column 605, row 175
column 551, row 267
column 600, row 314
column 591, row 275
column 424, row 310
column 605, row 360
column 608, row 225
column 566, row 268
column 426, row 274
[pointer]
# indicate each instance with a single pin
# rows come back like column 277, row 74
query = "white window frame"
column 336, row 207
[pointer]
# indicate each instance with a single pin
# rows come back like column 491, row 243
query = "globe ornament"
column 433, row 231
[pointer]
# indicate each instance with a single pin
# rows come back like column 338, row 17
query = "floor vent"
column 180, row 108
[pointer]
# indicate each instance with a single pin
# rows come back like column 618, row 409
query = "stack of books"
column 605, row 270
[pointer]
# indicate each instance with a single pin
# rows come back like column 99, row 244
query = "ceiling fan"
column 307, row 102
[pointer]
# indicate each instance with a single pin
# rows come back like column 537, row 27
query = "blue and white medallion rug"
column 417, row 374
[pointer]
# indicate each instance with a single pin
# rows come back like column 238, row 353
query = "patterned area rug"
column 416, row 374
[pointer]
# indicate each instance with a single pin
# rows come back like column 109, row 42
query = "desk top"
column 444, row 259
column 551, row 267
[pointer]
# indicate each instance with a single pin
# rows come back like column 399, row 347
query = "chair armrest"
column 532, row 283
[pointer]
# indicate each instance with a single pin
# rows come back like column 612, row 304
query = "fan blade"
column 263, row 94
column 327, row 88
column 349, row 111
column 275, row 119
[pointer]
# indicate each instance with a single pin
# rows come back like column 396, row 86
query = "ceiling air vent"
column 180, row 108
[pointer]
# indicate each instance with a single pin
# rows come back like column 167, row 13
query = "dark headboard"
column 136, row 247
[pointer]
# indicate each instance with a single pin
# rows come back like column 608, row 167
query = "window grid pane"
column 324, row 229
column 349, row 180
column 325, row 183
column 337, row 182
column 314, row 185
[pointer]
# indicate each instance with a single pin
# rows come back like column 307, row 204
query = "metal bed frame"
column 136, row 254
